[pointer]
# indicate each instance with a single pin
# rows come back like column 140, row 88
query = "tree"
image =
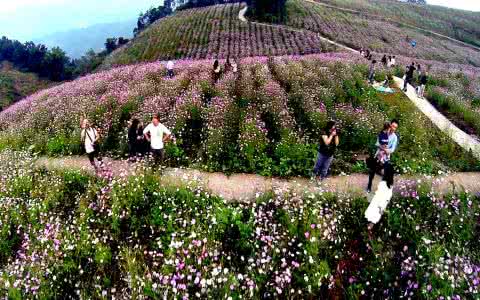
column 268, row 10
column 150, row 16
column 110, row 45
column 55, row 64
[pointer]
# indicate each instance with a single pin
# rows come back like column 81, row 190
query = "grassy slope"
column 213, row 31
column 458, row 24
column 264, row 120
column 382, row 36
column 15, row 85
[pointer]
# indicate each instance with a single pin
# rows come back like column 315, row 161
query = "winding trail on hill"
column 464, row 140
column 349, row 10
column 246, row 187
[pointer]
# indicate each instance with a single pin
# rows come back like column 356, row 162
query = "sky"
column 460, row 4
column 31, row 19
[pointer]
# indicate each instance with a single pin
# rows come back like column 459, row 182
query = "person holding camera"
column 89, row 136
column 329, row 141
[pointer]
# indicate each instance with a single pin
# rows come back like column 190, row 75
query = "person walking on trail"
column 374, row 165
column 157, row 134
column 423, row 83
column 89, row 137
column 170, row 67
column 329, row 141
column 384, row 60
column 371, row 72
column 409, row 76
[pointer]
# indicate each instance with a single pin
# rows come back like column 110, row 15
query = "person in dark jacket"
column 329, row 141
column 133, row 142
column 409, row 76
column 423, row 83
column 384, row 60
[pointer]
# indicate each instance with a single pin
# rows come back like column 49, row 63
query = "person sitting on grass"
column 89, row 137
column 157, row 134
column 329, row 141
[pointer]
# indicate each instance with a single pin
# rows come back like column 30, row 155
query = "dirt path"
column 465, row 141
column 246, row 187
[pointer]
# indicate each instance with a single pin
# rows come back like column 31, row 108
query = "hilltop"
column 216, row 31
column 15, row 85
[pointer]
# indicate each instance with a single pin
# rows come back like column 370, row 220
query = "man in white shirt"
column 157, row 134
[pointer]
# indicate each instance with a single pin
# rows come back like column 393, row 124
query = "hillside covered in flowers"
column 264, row 119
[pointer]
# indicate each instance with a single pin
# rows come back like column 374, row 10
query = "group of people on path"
column 422, row 78
column 142, row 142
column 390, row 62
column 386, row 144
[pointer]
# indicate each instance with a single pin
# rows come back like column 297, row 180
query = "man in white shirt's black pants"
column 157, row 134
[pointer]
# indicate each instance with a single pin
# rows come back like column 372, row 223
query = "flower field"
column 266, row 119
column 69, row 235
column 359, row 31
column 458, row 24
column 213, row 32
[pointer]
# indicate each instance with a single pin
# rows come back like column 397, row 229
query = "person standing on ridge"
column 157, row 134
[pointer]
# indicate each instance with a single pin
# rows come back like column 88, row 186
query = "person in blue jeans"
column 329, row 141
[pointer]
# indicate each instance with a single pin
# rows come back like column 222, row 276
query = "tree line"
column 55, row 65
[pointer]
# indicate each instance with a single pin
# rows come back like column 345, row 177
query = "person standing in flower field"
column 234, row 66
column 157, row 134
column 329, row 141
column 423, row 83
column 170, row 67
column 217, row 69
column 374, row 165
column 89, row 137
column 371, row 72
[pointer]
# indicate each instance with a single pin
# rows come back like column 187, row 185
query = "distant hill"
column 214, row 31
column 459, row 24
column 379, row 29
column 76, row 42
column 15, row 85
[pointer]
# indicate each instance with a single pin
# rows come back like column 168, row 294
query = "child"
column 382, row 156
